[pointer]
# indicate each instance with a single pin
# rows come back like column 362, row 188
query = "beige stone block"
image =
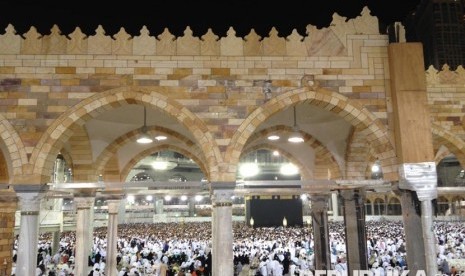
column 209, row 44
column 122, row 43
column 144, row 44
column 38, row 88
column 55, row 43
column 32, row 43
column 27, row 102
column 188, row 45
column 231, row 45
column 99, row 44
column 10, row 42
column 166, row 44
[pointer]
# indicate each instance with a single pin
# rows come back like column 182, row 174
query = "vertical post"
column 112, row 233
column 413, row 136
column 8, row 205
column 191, row 206
column 354, row 219
column 321, row 232
column 83, row 236
column 335, row 205
column 29, row 202
column 222, row 229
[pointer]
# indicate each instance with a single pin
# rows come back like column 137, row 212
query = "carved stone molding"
column 84, row 202
column 30, row 202
column 445, row 76
column 330, row 41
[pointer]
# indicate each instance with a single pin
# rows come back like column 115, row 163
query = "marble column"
column 222, row 239
column 55, row 242
column 421, row 179
column 191, row 206
column 29, row 202
column 335, row 205
column 354, row 219
column 112, row 237
column 158, row 205
column 8, row 205
column 321, row 232
column 84, row 206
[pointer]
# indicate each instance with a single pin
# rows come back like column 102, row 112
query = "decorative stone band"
column 29, row 213
column 84, row 202
column 113, row 206
column 421, row 178
column 222, row 204
column 319, row 203
column 222, row 194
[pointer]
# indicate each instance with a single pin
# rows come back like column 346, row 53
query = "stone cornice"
column 209, row 44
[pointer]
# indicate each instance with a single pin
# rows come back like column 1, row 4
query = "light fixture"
column 149, row 198
column 284, row 222
column 275, row 153
column 296, row 136
column 376, row 170
column 198, row 198
column 249, row 169
column 273, row 137
column 161, row 137
column 183, row 197
column 251, row 221
column 167, row 197
column 144, row 138
column 289, row 169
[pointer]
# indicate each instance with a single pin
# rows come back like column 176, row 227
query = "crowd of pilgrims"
column 177, row 249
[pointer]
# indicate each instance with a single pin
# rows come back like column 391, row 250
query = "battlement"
column 330, row 41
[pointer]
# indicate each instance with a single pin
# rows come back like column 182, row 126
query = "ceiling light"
column 161, row 137
column 273, row 137
column 275, row 153
column 144, row 138
column 249, row 169
column 167, row 198
column 183, row 197
column 149, row 198
column 198, row 198
column 296, row 136
column 289, row 169
column 161, row 165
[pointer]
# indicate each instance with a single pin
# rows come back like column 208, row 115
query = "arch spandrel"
column 59, row 132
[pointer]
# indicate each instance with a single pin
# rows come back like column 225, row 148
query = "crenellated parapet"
column 445, row 76
column 330, row 41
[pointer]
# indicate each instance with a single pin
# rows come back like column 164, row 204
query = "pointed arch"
column 62, row 128
column 355, row 114
column 448, row 139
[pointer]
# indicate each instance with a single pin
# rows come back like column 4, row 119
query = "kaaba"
column 274, row 211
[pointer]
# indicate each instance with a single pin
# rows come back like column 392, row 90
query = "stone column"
column 222, row 238
column 421, row 178
column 8, row 205
column 29, row 201
column 122, row 211
column 335, row 205
column 55, row 242
column 320, row 232
column 354, row 219
column 84, row 206
column 191, row 206
column 158, row 202
column 112, row 237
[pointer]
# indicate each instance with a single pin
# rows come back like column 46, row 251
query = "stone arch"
column 453, row 143
column 61, row 129
column 13, row 150
column 127, row 168
column 304, row 172
column 119, row 142
column 324, row 159
column 354, row 113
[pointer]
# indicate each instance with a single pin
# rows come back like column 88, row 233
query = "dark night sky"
column 198, row 14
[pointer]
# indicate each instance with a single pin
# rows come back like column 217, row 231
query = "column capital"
column 421, row 178
column 319, row 203
column 84, row 202
column 353, row 194
column 29, row 196
column 221, row 198
column 113, row 205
